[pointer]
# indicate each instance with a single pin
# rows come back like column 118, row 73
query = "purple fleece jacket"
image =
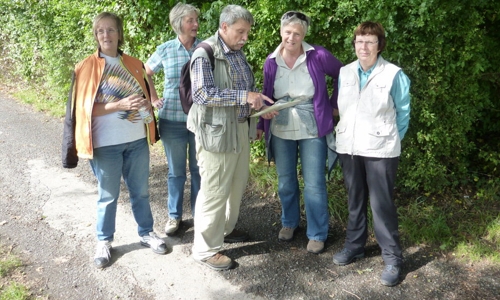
column 320, row 62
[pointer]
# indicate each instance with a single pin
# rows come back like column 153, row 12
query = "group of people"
column 370, row 97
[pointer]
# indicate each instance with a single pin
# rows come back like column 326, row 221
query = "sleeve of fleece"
column 69, row 153
column 267, row 88
column 332, row 68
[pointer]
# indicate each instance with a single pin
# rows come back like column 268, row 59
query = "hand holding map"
column 279, row 105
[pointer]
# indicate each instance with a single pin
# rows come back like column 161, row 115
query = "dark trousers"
column 372, row 178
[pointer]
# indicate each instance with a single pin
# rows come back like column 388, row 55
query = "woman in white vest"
column 374, row 109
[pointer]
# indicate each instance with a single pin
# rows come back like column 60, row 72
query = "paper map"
column 279, row 106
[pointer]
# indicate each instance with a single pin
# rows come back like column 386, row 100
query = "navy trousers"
column 372, row 178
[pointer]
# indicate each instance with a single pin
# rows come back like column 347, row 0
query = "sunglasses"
column 297, row 14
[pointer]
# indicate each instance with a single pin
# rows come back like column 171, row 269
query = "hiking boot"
column 236, row 236
column 390, row 275
column 102, row 255
column 347, row 256
column 218, row 262
column 315, row 247
column 154, row 242
column 286, row 234
column 172, row 226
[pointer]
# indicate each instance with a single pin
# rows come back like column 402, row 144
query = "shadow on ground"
column 280, row 270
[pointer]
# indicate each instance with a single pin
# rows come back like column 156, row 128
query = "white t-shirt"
column 122, row 126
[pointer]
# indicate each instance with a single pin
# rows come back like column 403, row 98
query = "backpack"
column 185, row 81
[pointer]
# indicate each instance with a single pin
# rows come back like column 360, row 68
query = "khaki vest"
column 216, row 128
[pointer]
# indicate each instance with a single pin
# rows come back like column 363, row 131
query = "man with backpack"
column 223, row 98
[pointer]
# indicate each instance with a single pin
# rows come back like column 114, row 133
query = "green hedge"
column 448, row 48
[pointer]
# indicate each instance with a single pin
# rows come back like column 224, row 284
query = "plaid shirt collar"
column 225, row 48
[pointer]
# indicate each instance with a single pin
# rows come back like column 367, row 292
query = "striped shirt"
column 211, row 95
column 171, row 56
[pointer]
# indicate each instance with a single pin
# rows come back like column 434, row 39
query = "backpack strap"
column 210, row 52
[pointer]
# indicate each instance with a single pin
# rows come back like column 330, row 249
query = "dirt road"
column 47, row 216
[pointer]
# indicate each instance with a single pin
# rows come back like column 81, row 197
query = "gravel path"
column 47, row 216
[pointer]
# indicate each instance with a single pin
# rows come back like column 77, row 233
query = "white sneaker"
column 102, row 254
column 172, row 226
column 154, row 242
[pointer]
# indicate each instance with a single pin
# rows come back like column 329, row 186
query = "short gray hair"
column 295, row 17
column 232, row 13
column 178, row 12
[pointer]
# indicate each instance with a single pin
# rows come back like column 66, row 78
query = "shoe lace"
column 102, row 251
column 217, row 256
column 172, row 222
column 154, row 240
column 345, row 251
column 391, row 268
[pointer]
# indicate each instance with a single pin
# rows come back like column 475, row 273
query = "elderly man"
column 223, row 98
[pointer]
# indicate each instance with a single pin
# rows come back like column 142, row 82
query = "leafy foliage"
column 448, row 48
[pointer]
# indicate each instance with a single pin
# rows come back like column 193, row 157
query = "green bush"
column 449, row 49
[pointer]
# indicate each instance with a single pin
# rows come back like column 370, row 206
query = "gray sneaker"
column 102, row 254
column 286, row 234
column 390, row 275
column 172, row 226
column 315, row 247
column 154, row 242
column 347, row 256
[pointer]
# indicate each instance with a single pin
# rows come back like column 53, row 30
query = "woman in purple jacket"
column 296, row 71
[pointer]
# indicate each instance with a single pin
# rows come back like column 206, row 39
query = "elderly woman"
column 296, row 70
column 374, row 107
column 171, row 56
column 103, row 125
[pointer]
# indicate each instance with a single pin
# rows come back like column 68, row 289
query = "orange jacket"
column 77, row 136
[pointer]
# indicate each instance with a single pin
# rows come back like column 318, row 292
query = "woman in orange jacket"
column 109, row 121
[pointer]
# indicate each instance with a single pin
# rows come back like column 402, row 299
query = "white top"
column 122, row 126
column 292, row 82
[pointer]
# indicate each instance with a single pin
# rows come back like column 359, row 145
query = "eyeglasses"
column 297, row 14
column 368, row 43
column 108, row 31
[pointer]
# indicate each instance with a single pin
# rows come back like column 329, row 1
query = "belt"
column 242, row 120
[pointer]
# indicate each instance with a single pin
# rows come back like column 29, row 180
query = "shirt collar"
column 178, row 43
column 180, row 46
column 225, row 48
column 367, row 73
column 307, row 47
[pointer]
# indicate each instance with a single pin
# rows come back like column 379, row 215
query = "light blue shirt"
column 171, row 56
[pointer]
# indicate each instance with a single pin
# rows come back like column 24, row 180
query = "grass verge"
column 10, row 289
column 467, row 227
column 41, row 101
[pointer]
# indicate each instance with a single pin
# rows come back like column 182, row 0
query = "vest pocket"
column 212, row 137
column 340, row 137
column 378, row 137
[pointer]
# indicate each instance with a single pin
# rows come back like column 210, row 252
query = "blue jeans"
column 176, row 138
column 109, row 164
column 313, row 161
